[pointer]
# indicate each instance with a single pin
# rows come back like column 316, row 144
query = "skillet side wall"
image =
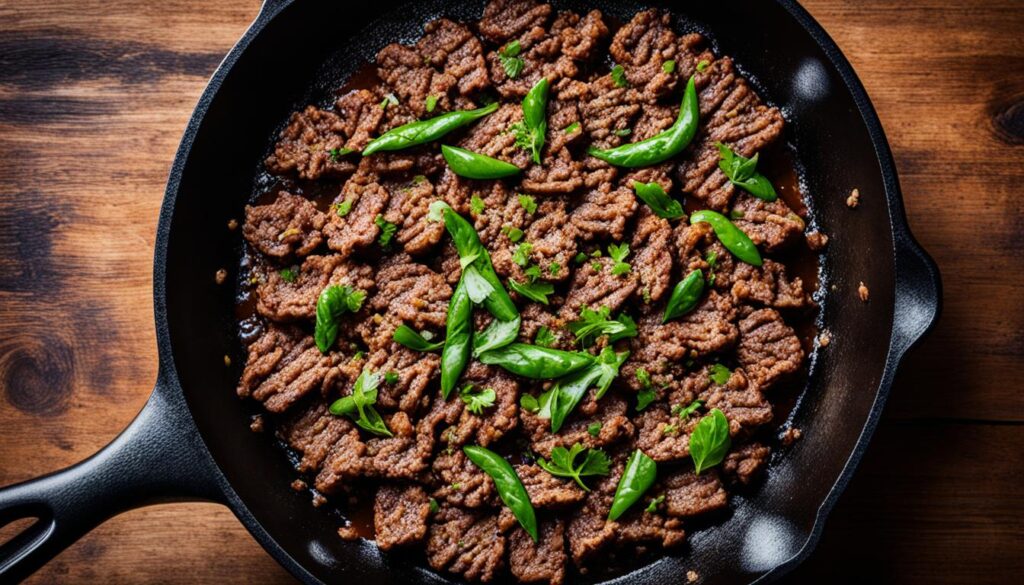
column 269, row 79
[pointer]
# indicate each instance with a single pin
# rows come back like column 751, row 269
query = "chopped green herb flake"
column 554, row 267
column 431, row 103
column 529, row 403
column 593, row 324
column 289, row 274
column 389, row 100
column 622, row 132
column 645, row 397
column 619, row 76
column 572, row 128
column 344, row 207
column 476, row 205
column 618, row 253
column 580, row 258
column 510, row 61
column 391, row 377
column 703, row 65
column 594, row 429
column 387, row 231
column 476, row 402
column 535, row 291
column 563, row 463
column 668, row 66
column 514, row 234
column 337, row 153
column 434, row 506
column 522, row 254
column 545, row 338
column 528, row 203
column 533, row 272
column 719, row 374
column 652, row 507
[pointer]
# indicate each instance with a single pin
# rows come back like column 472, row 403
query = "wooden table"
column 94, row 95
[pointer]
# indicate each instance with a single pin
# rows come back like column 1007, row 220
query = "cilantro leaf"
column 619, row 76
column 593, row 324
column 528, row 203
column 535, row 291
column 742, row 173
column 685, row 412
column 645, row 397
column 522, row 254
column 618, row 254
column 514, row 234
column 510, row 61
column 387, row 230
column 476, row 402
column 391, row 377
column 545, row 338
column 563, row 463
column 359, row 405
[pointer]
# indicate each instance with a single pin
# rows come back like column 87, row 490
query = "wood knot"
column 1008, row 120
column 36, row 376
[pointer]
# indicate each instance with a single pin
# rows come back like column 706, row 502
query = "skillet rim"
column 924, row 284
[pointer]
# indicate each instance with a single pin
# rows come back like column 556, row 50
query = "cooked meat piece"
column 609, row 112
column 400, row 515
column 744, row 463
column 546, row 490
column 345, row 462
column 610, row 411
column 289, row 226
column 731, row 113
column 421, row 160
column 466, row 543
column 408, row 293
column 768, row 285
column 542, row 561
column 642, row 46
column 501, row 213
column 771, row 226
column 509, row 19
column 406, row 455
column 285, row 300
column 313, row 432
column 663, row 436
column 740, row 400
column 494, row 137
column 603, row 214
column 551, row 240
column 361, row 117
column 415, row 372
column 353, row 229
column 534, row 316
column 463, row 427
column 688, row 494
column 408, row 209
column 595, row 288
column 461, row 482
column 446, row 63
column 769, row 349
column 559, row 174
column 284, row 365
column 310, row 146
column 652, row 255
column 554, row 53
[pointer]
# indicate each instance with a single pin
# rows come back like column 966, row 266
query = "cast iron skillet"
column 191, row 441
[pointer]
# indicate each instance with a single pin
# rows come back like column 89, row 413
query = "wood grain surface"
column 94, row 95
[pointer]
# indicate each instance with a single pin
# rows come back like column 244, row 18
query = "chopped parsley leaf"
column 387, row 230
column 476, row 204
column 528, row 203
column 619, row 76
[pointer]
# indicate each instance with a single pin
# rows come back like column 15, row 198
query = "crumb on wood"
column 824, row 339
column 854, row 199
column 863, row 292
column 348, row 533
column 256, row 425
column 221, row 276
column 318, row 499
column 299, row 485
column 791, row 435
column 816, row 240
column 692, row 576
column 232, row 224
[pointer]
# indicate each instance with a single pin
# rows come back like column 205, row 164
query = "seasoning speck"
column 824, row 339
column 816, row 240
column 318, row 500
column 854, row 199
column 692, row 576
column 232, row 224
column 348, row 533
column 227, row 360
column 299, row 485
column 862, row 291
column 791, row 435
column 256, row 425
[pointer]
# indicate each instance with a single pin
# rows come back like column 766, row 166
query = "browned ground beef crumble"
column 427, row 493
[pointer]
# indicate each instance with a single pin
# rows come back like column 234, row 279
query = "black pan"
column 191, row 441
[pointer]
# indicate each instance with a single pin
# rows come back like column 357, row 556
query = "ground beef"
column 400, row 515
column 546, row 490
column 466, row 543
column 447, row 64
column 552, row 223
column 745, row 462
column 652, row 260
column 289, row 226
column 769, row 349
column 310, row 146
column 355, row 229
column 284, row 365
column 688, row 494
column 415, row 371
column 603, row 214
column 460, row 482
column 542, row 561
column 731, row 113
column 292, row 293
column 771, row 226
column 594, row 286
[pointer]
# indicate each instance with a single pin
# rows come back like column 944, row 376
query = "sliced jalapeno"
column 425, row 131
column 473, row 165
column 732, row 237
column 685, row 296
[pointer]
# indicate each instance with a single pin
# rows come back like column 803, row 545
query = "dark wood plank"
column 94, row 96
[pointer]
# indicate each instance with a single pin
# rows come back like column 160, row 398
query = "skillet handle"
column 158, row 458
column 918, row 293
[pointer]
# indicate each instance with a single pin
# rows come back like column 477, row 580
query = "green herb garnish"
column 719, row 374
column 545, row 338
column 476, row 204
column 510, row 61
column 668, row 66
column 742, row 172
column 710, row 441
column 619, row 76
column 563, row 463
column 344, row 207
column 413, row 340
column 528, row 203
column 387, row 231
column 594, row 429
column 332, row 303
column 359, row 405
column 618, row 254
column 593, row 324
column 476, row 402
column 535, row 291
column 289, row 274
column 431, row 103
column 522, row 254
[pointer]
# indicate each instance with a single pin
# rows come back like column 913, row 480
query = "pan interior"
column 309, row 49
